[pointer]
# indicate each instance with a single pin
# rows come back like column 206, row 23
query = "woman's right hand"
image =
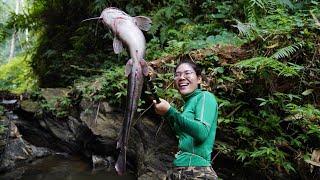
column 162, row 107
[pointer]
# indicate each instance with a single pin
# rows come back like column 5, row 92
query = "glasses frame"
column 185, row 74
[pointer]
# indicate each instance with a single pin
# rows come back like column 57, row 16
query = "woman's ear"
column 199, row 79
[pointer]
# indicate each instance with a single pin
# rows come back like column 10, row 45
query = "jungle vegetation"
column 261, row 58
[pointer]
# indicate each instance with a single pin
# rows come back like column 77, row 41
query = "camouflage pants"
column 188, row 173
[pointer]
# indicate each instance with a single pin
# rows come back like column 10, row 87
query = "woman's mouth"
column 183, row 85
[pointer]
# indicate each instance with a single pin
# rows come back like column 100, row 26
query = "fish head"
column 111, row 14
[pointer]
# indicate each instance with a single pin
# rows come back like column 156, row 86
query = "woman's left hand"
column 162, row 107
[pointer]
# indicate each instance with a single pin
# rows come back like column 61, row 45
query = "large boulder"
column 92, row 129
column 14, row 149
column 149, row 155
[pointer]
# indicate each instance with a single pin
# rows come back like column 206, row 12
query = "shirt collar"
column 194, row 93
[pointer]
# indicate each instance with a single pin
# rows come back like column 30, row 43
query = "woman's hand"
column 162, row 107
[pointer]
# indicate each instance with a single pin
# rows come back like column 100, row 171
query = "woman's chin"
column 184, row 91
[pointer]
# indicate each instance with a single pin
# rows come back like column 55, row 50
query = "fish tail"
column 121, row 162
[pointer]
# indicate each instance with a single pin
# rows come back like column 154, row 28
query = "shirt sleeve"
column 205, row 114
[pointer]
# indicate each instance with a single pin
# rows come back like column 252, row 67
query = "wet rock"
column 18, row 151
column 99, row 162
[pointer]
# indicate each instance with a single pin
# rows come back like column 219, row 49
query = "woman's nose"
column 181, row 77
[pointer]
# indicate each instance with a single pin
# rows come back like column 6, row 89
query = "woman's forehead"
column 184, row 67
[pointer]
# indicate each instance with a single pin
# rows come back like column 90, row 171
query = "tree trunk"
column 14, row 35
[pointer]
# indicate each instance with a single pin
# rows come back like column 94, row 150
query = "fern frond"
column 251, row 14
column 286, row 3
column 287, row 51
column 259, row 3
column 245, row 29
column 259, row 64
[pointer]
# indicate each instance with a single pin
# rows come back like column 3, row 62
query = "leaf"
column 287, row 51
column 261, row 99
column 307, row 92
column 288, row 167
column 263, row 103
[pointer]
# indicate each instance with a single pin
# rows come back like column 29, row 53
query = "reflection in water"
column 60, row 168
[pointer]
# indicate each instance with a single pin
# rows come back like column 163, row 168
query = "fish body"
column 127, row 30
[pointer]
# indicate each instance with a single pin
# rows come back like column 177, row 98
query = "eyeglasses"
column 185, row 74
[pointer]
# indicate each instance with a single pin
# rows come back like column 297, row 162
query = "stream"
column 60, row 167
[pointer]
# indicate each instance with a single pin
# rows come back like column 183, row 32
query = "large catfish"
column 127, row 30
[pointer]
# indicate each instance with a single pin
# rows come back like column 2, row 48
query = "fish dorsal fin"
column 117, row 45
column 128, row 67
column 144, row 23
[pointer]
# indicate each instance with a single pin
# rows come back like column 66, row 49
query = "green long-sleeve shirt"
column 195, row 128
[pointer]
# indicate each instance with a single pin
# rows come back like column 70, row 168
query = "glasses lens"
column 185, row 74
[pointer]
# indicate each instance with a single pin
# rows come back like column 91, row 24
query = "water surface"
column 61, row 168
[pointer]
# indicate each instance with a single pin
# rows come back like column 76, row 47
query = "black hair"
column 193, row 65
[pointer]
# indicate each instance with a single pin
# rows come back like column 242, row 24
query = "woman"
column 195, row 126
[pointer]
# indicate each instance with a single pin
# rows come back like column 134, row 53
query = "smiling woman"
column 195, row 126
column 187, row 77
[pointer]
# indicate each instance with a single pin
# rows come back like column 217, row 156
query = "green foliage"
column 2, row 129
column 1, row 110
column 248, row 30
column 263, row 64
column 58, row 106
column 175, row 47
column 286, row 51
column 17, row 76
column 225, row 38
column 110, row 86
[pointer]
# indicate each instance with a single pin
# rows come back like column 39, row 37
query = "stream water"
column 60, row 168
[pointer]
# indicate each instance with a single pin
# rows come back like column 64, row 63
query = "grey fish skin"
column 127, row 30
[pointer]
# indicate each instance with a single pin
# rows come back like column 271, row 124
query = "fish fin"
column 120, row 165
column 128, row 67
column 144, row 67
column 117, row 45
column 144, row 23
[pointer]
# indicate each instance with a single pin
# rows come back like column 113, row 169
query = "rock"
column 30, row 106
column 51, row 93
column 18, row 151
column 146, row 153
column 101, row 120
column 99, row 162
column 92, row 132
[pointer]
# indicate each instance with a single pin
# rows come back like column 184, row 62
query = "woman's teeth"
column 183, row 84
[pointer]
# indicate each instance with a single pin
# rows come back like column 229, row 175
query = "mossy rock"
column 30, row 106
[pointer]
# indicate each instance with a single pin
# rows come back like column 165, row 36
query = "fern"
column 251, row 14
column 287, row 51
column 245, row 29
column 286, row 3
column 259, row 64
column 259, row 3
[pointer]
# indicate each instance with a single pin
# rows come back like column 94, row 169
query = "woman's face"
column 186, row 79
